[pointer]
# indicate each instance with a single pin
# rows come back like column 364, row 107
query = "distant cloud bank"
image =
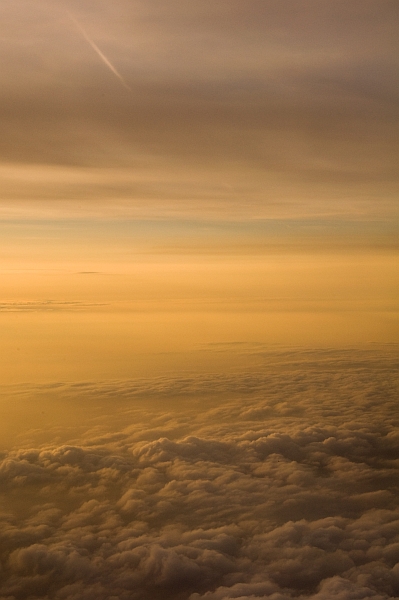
column 287, row 490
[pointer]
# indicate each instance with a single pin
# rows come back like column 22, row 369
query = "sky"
column 223, row 169
column 199, row 283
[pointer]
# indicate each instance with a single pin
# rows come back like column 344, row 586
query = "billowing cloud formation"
column 285, row 487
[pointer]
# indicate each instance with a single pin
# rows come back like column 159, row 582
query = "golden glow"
column 198, row 299
column 158, row 312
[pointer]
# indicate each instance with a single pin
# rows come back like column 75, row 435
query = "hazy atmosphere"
column 199, row 300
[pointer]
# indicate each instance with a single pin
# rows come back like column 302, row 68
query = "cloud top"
column 287, row 491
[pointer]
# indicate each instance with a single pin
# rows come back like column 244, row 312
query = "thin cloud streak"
column 98, row 51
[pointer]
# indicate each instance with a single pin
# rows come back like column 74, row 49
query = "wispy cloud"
column 96, row 49
column 46, row 305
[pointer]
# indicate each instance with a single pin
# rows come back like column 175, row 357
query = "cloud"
column 105, row 60
column 286, row 491
column 283, row 104
column 47, row 305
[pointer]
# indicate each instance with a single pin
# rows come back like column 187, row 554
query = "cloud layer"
column 272, row 107
column 281, row 485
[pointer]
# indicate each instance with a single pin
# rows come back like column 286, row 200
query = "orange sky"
column 178, row 174
column 199, row 299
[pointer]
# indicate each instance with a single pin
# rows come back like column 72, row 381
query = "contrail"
column 98, row 51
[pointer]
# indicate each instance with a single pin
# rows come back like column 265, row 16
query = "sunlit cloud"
column 198, row 300
column 264, row 493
